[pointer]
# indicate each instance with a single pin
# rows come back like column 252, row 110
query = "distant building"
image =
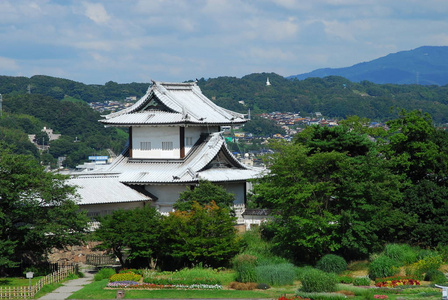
column 267, row 82
column 51, row 137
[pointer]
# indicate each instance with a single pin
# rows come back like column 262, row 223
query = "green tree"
column 419, row 151
column 37, row 211
column 203, row 235
column 340, row 139
column 133, row 236
column 410, row 145
column 329, row 201
column 204, row 193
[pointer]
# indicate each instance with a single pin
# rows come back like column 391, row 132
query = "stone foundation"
column 74, row 254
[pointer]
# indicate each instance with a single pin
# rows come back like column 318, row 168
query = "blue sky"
column 173, row 40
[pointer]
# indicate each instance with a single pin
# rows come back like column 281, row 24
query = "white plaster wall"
column 155, row 135
column 167, row 195
column 236, row 188
column 108, row 208
column 195, row 133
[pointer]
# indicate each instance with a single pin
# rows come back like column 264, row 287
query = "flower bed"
column 293, row 298
column 396, row 281
column 136, row 285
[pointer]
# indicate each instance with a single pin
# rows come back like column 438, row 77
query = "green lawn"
column 96, row 290
column 18, row 281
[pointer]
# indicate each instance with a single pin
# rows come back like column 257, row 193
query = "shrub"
column 361, row 281
column 435, row 276
column 332, row 263
column 125, row 277
column 383, row 266
column 425, row 253
column 315, row 280
column 135, row 271
column 244, row 266
column 424, row 265
column 302, row 271
column 345, row 279
column 103, row 274
column 281, row 274
column 263, row 286
column 443, row 251
column 401, row 253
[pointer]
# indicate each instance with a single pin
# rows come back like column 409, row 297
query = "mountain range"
column 427, row 65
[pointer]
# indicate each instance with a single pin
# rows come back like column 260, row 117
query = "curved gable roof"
column 184, row 101
column 196, row 165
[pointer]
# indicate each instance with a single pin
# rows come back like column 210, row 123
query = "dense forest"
column 29, row 104
column 60, row 88
column 82, row 134
column 333, row 96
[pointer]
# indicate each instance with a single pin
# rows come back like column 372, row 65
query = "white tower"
column 267, row 82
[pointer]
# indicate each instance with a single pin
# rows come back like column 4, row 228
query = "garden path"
column 71, row 286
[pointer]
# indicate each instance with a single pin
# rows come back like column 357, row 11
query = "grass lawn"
column 96, row 290
column 18, row 281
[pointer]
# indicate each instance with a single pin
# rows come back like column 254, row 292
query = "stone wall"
column 74, row 254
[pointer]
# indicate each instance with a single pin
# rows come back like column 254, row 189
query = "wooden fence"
column 20, row 292
column 100, row 260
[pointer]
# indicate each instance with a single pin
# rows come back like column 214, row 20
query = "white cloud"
column 96, row 12
column 174, row 40
column 7, row 64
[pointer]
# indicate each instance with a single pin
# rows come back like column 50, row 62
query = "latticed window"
column 167, row 145
column 145, row 146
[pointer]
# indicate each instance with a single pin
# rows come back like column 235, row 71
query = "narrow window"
column 189, row 141
column 167, row 145
column 144, row 146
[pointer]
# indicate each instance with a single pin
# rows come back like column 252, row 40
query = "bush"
column 435, row 276
column 314, row 280
column 244, row 266
column 383, row 266
column 263, row 286
column 125, row 277
column 345, row 279
column 361, row 281
column 104, row 273
column 424, row 265
column 135, row 271
column 443, row 251
column 401, row 253
column 281, row 274
column 332, row 263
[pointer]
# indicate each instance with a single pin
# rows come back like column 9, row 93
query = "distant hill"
column 60, row 88
column 427, row 65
